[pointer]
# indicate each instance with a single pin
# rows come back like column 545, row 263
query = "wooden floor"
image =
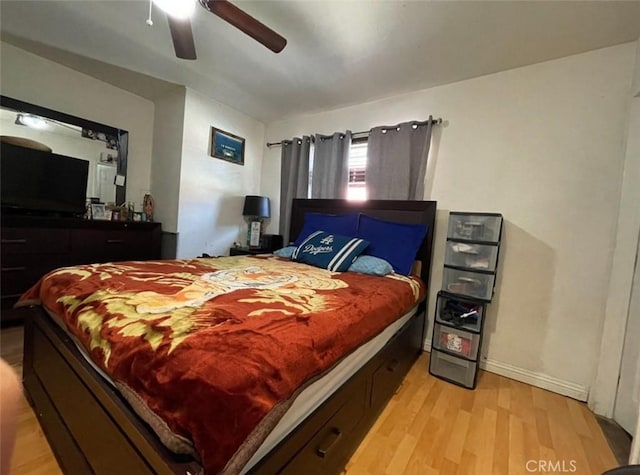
column 429, row 427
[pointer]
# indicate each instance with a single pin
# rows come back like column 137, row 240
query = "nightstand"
column 242, row 251
column 268, row 244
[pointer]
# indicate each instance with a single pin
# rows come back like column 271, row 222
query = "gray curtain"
column 330, row 176
column 294, row 178
column 397, row 161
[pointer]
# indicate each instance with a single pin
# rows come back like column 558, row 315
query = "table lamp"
column 256, row 208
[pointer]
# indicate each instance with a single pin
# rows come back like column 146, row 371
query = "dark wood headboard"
column 413, row 212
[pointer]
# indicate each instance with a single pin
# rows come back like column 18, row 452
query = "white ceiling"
column 338, row 52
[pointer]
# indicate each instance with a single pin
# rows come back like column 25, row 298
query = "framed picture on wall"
column 227, row 146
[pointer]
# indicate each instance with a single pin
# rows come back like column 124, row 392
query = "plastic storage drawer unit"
column 456, row 341
column 472, row 256
column 475, row 227
column 453, row 369
column 468, row 279
column 458, row 312
column 473, row 284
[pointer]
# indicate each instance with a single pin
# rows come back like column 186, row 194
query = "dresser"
column 32, row 246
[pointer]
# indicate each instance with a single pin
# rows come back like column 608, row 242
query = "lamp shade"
column 257, row 206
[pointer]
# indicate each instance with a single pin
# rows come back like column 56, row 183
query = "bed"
column 93, row 429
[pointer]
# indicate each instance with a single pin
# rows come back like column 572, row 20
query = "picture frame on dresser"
column 99, row 212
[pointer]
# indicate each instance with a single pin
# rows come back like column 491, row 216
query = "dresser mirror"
column 104, row 147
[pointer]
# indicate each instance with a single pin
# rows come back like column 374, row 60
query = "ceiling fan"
column 179, row 13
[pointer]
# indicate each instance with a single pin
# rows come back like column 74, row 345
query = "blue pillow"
column 397, row 243
column 371, row 265
column 363, row 264
column 285, row 252
column 329, row 251
column 343, row 224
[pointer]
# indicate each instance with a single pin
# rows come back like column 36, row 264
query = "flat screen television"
column 38, row 182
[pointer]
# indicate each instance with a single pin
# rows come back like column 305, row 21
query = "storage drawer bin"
column 472, row 256
column 475, row 227
column 472, row 284
column 463, row 314
column 454, row 369
column 456, row 340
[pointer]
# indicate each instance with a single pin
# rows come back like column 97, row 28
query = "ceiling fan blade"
column 246, row 23
column 182, row 37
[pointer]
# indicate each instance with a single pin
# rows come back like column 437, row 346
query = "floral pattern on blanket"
column 136, row 314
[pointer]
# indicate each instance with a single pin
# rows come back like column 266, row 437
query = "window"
column 357, row 187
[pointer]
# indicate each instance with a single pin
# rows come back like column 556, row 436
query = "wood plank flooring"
column 429, row 427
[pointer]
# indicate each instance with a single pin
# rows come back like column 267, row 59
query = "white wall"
column 212, row 190
column 36, row 80
column 543, row 145
column 195, row 195
column 167, row 158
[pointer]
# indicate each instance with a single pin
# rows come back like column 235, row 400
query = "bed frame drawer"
column 71, row 401
column 395, row 362
column 368, row 391
column 63, row 388
column 332, row 445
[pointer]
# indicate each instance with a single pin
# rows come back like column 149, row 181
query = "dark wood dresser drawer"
column 28, row 254
column 34, row 241
column 31, row 246
column 19, row 272
column 98, row 245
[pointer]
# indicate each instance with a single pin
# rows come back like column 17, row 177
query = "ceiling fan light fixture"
column 179, row 9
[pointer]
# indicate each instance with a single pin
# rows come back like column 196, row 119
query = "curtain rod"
column 365, row 133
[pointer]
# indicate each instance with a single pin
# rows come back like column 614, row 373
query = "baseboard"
column 427, row 346
column 539, row 380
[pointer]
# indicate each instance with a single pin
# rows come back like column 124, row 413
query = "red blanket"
column 214, row 347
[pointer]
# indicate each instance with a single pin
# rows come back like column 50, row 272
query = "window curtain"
column 397, row 161
column 294, row 178
column 330, row 176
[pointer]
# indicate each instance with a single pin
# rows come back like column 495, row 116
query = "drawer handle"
column 329, row 441
column 391, row 367
column 13, row 269
column 14, row 241
column 115, row 241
